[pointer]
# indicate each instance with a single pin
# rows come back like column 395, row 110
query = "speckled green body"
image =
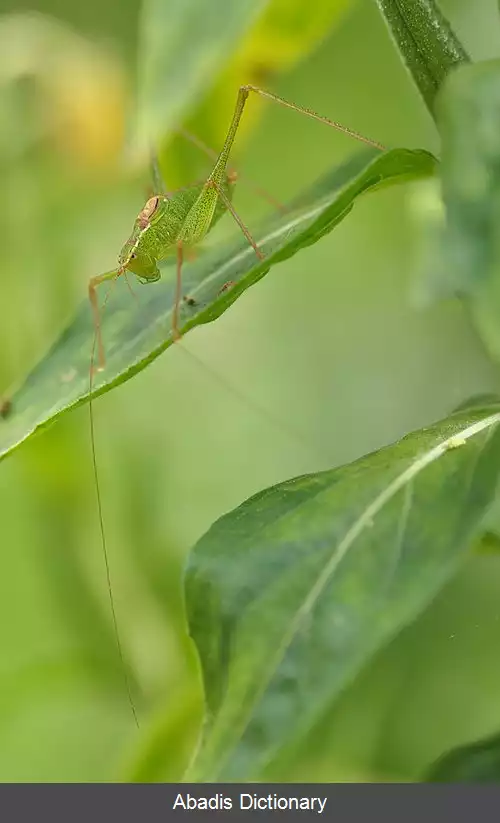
column 185, row 216
column 170, row 224
column 183, row 219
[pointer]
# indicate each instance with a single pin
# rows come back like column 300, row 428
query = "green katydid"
column 174, row 224
column 177, row 223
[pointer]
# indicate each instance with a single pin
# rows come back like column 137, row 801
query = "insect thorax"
column 159, row 225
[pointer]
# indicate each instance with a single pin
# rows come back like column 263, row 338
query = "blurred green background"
column 350, row 361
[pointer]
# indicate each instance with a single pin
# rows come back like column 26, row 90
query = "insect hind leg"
column 313, row 115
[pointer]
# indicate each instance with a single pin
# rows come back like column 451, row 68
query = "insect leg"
column 314, row 115
column 237, row 218
column 232, row 174
column 93, row 283
column 157, row 180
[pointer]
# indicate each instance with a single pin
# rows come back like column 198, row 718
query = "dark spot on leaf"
column 5, row 408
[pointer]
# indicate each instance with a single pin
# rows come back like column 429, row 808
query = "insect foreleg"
column 94, row 302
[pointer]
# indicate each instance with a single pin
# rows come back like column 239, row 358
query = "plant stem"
column 426, row 42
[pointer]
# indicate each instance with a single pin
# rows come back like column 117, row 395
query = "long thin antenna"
column 101, row 523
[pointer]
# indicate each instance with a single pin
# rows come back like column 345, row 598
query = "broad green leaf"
column 290, row 594
column 136, row 332
column 183, row 44
column 475, row 763
column 426, row 42
column 469, row 262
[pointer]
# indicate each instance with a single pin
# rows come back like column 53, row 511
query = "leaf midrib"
column 365, row 520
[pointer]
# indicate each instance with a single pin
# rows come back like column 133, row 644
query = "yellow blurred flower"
column 83, row 92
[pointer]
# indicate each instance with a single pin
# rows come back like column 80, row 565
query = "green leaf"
column 476, row 763
column 426, row 42
column 182, row 46
column 289, row 595
column 137, row 331
column 489, row 543
column 469, row 258
column 478, row 401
